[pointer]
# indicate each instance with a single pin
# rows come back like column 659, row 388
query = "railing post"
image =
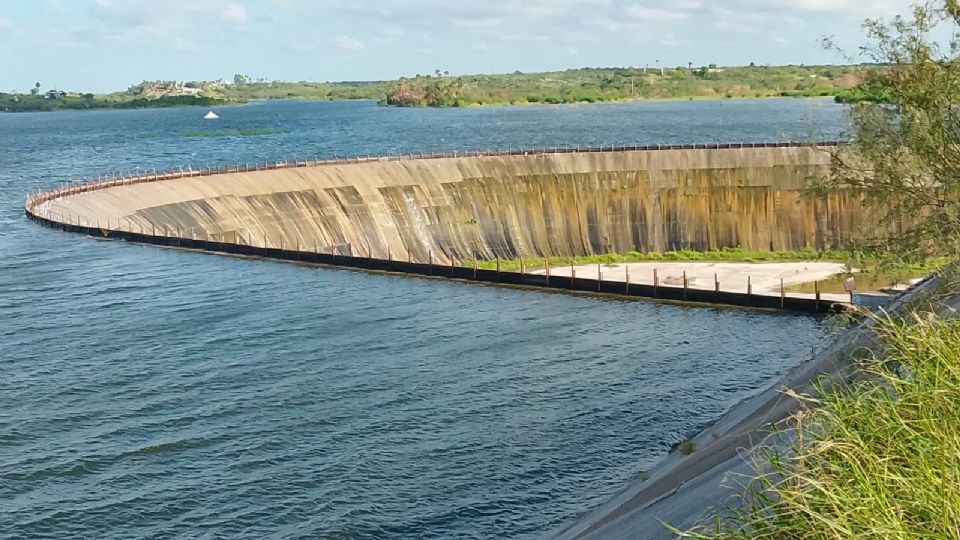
column 816, row 292
column 783, row 294
column 599, row 277
column 749, row 289
column 685, row 285
column 716, row 283
column 546, row 263
column 430, row 260
column 626, row 291
column 656, row 283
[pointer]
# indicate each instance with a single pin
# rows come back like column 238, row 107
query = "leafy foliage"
column 904, row 157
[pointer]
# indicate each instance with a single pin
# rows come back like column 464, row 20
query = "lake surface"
column 153, row 393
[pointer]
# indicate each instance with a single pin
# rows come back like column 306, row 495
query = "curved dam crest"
column 455, row 209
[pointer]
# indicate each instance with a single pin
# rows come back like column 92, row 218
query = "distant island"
column 440, row 89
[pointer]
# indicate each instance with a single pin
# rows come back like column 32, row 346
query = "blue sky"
column 103, row 45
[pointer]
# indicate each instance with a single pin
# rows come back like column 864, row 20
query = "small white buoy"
column 211, row 116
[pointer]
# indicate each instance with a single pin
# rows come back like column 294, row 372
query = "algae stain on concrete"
column 509, row 206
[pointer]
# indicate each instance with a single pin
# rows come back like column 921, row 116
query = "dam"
column 445, row 210
column 487, row 206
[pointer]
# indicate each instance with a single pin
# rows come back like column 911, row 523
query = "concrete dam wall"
column 488, row 206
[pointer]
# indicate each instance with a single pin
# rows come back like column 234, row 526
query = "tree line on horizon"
column 592, row 85
column 441, row 89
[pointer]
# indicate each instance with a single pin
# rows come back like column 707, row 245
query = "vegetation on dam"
column 875, row 454
column 875, row 273
column 729, row 254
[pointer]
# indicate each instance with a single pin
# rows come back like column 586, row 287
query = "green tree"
column 904, row 156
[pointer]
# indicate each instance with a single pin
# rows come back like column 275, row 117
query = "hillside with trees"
column 147, row 94
column 590, row 85
column 441, row 89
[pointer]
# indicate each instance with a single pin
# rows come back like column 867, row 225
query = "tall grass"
column 878, row 458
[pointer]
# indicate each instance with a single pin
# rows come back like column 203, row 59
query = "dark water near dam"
column 154, row 393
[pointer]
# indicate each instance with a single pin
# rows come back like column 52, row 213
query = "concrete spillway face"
column 455, row 209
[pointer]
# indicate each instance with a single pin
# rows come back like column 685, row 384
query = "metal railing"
column 33, row 200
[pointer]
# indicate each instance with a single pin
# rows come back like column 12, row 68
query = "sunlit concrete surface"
column 761, row 278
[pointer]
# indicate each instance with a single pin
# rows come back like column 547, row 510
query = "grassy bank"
column 873, row 274
column 878, row 458
column 726, row 254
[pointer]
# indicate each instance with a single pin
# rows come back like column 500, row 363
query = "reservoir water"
column 154, row 393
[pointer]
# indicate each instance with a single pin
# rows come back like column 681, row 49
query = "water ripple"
column 155, row 393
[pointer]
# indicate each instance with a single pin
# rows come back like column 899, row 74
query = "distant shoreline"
column 443, row 90
column 625, row 100
column 33, row 104
column 467, row 106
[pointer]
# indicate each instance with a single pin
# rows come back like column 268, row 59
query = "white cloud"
column 477, row 23
column 184, row 46
column 393, row 31
column 5, row 23
column 856, row 8
column 671, row 40
column 645, row 13
column 821, row 5
column 481, row 47
column 347, row 43
column 234, row 14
